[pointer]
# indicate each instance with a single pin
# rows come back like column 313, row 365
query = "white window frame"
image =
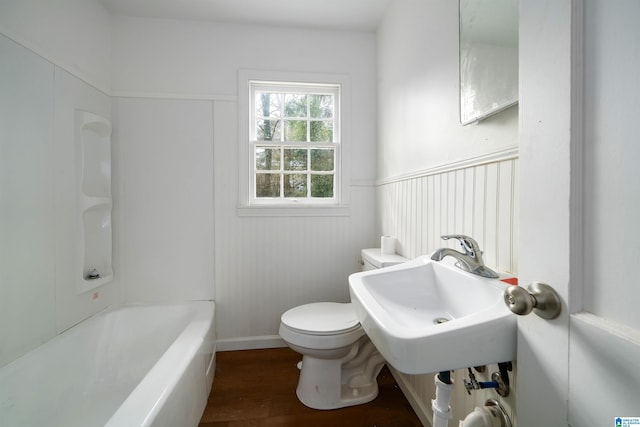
column 249, row 205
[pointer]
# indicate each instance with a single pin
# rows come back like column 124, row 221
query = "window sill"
column 310, row 211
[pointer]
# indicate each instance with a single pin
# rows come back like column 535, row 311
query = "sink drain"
column 439, row 320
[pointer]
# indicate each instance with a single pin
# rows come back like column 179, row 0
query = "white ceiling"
column 358, row 15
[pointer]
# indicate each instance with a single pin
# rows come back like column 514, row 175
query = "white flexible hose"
column 480, row 417
column 440, row 405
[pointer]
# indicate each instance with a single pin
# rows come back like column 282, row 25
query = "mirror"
column 488, row 57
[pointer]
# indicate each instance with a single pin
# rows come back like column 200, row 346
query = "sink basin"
column 425, row 316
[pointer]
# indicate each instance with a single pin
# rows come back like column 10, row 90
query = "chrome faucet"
column 470, row 260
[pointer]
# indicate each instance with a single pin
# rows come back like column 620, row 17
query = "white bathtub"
column 137, row 365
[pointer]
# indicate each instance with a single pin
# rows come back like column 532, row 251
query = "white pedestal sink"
column 426, row 316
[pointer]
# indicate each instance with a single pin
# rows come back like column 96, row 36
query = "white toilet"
column 339, row 363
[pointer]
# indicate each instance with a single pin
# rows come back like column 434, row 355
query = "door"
column 579, row 105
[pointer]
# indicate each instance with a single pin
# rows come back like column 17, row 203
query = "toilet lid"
column 321, row 318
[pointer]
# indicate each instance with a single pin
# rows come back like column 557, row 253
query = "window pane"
column 268, row 130
column 321, row 185
column 322, row 159
column 296, row 130
column 321, row 106
column 295, row 159
column 295, row 105
column 295, row 185
column 268, row 104
column 268, row 185
column 322, row 131
column 267, row 158
column 293, row 134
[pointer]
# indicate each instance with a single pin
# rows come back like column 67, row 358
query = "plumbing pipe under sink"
column 490, row 415
column 440, row 405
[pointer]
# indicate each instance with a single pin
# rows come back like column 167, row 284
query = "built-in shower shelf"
column 96, row 203
column 93, row 201
column 95, row 144
column 94, row 283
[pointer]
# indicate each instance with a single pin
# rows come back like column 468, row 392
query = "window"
column 294, row 138
column 292, row 143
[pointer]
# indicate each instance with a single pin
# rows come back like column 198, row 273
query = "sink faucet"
column 470, row 260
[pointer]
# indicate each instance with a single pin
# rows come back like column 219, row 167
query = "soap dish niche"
column 94, row 134
column 93, row 201
column 97, row 249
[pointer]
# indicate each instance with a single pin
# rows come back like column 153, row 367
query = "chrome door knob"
column 540, row 298
column 519, row 300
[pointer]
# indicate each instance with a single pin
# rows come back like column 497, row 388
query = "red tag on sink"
column 510, row 280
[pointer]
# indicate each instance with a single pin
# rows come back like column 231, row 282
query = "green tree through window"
column 295, row 142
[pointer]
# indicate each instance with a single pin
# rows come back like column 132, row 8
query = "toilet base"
column 338, row 383
column 348, row 397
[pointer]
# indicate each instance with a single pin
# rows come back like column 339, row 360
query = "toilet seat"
column 321, row 318
column 321, row 325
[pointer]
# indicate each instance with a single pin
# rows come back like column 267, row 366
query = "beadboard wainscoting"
column 266, row 265
column 477, row 197
column 479, row 200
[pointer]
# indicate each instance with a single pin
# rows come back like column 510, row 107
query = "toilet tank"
column 374, row 258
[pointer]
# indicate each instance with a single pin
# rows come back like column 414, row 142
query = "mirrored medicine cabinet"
column 488, row 51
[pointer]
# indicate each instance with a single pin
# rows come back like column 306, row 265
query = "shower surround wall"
column 435, row 176
column 39, row 96
column 59, row 62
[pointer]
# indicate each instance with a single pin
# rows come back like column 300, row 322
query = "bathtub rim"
column 149, row 396
column 199, row 329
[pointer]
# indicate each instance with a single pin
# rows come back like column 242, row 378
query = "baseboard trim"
column 250, row 343
column 423, row 411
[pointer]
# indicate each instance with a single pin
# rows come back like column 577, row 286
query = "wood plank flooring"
column 256, row 388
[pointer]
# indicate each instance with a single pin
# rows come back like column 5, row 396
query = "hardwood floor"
column 256, row 388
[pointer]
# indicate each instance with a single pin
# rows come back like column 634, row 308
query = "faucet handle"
column 468, row 243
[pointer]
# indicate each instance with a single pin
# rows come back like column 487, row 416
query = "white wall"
column 73, row 34
column 263, row 265
column 418, row 93
column 164, row 165
column 435, row 176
